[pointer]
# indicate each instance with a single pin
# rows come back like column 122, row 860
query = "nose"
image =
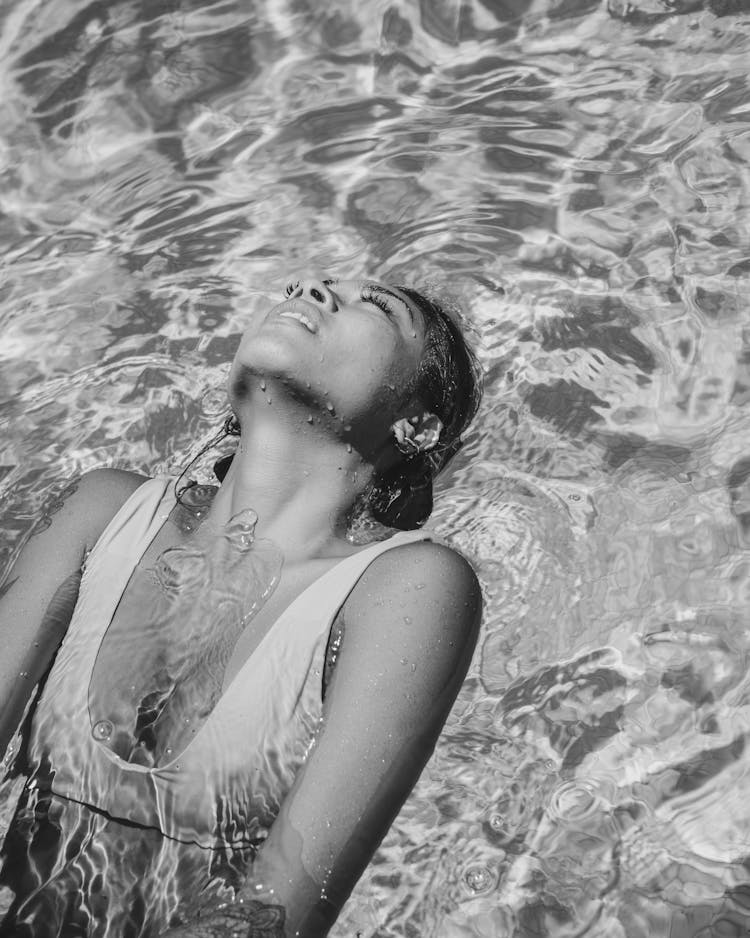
column 315, row 291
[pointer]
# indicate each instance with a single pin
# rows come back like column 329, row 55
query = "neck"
column 300, row 479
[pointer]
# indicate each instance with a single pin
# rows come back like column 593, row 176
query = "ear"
column 417, row 434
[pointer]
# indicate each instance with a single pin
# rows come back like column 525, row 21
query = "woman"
column 245, row 696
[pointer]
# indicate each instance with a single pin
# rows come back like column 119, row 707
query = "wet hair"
column 448, row 383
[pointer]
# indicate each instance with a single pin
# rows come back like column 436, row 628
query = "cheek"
column 371, row 371
column 371, row 389
column 378, row 355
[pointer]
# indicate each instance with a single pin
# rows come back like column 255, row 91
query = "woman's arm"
column 39, row 593
column 410, row 627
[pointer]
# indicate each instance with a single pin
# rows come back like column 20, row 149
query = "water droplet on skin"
column 403, row 661
column 329, row 407
column 268, row 400
column 348, row 447
column 102, row 730
column 309, row 418
column 413, row 668
column 262, row 385
column 407, row 619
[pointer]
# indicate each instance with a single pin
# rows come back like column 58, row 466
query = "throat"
column 303, row 485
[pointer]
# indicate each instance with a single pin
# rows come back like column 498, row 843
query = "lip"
column 301, row 312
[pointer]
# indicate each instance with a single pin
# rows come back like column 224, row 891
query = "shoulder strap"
column 136, row 523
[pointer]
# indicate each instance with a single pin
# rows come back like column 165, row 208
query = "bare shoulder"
column 71, row 522
column 84, row 507
column 422, row 573
column 47, row 567
column 420, row 598
column 110, row 486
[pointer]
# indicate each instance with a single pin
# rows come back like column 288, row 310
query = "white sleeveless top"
column 226, row 786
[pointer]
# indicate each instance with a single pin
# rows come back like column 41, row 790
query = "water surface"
column 575, row 175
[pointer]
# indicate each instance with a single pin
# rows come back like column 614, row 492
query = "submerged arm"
column 39, row 593
column 410, row 627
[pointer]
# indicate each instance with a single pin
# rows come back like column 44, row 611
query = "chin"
column 269, row 356
column 290, row 378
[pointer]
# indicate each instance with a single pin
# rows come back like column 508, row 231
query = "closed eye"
column 379, row 301
column 377, row 296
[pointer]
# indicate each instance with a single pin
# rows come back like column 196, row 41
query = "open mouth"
column 294, row 312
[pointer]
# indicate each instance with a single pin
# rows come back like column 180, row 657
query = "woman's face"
column 353, row 346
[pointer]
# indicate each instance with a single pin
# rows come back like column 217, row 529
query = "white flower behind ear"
column 429, row 432
column 417, row 435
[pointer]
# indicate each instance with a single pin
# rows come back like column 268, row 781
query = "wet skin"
column 345, row 347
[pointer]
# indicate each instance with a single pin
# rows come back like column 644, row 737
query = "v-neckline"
column 156, row 525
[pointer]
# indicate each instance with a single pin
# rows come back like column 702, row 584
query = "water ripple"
column 576, row 175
